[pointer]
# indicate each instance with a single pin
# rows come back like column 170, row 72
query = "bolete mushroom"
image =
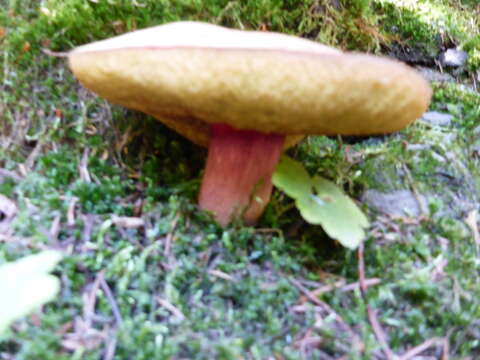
column 247, row 95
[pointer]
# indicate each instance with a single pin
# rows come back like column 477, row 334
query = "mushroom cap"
column 189, row 75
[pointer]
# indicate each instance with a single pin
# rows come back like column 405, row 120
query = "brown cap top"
column 189, row 75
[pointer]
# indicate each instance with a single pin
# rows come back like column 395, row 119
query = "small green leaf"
column 292, row 178
column 321, row 202
column 25, row 285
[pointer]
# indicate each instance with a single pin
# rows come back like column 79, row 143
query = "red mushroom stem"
column 237, row 182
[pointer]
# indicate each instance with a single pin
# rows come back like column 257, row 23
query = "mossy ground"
column 236, row 290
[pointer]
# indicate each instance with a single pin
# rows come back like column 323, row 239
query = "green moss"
column 137, row 167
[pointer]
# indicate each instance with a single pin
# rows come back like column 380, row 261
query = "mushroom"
column 248, row 95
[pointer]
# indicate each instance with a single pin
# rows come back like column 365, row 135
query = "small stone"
column 453, row 58
column 437, row 118
column 396, row 203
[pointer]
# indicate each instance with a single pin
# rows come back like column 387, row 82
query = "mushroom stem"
column 237, row 182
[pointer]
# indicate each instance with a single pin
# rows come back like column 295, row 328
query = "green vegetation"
column 178, row 286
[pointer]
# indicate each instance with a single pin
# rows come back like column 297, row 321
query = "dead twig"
column 24, row 241
column 55, row 228
column 83, row 166
column 170, row 236
column 355, row 338
column 446, row 349
column 341, row 286
column 111, row 300
column 4, row 173
column 71, row 211
column 33, row 155
column 54, row 53
column 91, row 300
column 128, row 222
column 417, row 350
column 372, row 315
column 170, row 307
column 221, row 275
column 471, row 221
column 110, row 348
column 269, row 231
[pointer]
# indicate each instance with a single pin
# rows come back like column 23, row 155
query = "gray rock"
column 453, row 58
column 395, row 203
column 437, row 118
column 435, row 76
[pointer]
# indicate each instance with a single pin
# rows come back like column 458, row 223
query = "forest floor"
column 168, row 283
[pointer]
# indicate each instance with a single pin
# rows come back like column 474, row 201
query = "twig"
column 344, row 287
column 90, row 301
column 24, row 241
column 128, row 222
column 356, row 340
column 307, row 293
column 372, row 316
column 55, row 228
column 269, row 231
column 111, row 300
column 71, row 211
column 110, row 348
column 54, row 53
column 471, row 221
column 33, row 155
column 379, row 333
column 221, row 275
column 83, row 167
column 446, row 349
column 169, row 238
column 4, row 173
column 170, row 307
column 422, row 347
